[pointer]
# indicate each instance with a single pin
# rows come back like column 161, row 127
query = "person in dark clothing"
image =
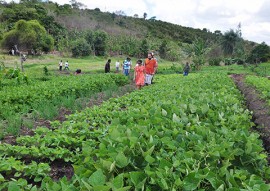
column 108, row 66
column 186, row 69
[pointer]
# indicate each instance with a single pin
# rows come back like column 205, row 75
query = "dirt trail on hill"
column 259, row 107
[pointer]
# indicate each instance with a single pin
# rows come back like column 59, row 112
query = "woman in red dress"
column 139, row 74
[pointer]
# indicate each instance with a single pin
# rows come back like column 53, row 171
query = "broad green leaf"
column 149, row 159
column 12, row 186
column 190, row 182
column 97, row 178
column 138, row 179
column 118, row 181
column 2, row 179
column 121, row 160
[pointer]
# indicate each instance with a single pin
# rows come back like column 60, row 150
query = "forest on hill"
column 37, row 26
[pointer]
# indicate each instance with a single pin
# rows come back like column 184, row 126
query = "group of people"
column 125, row 66
column 143, row 71
column 61, row 65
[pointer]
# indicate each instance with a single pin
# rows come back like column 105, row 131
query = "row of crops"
column 262, row 84
column 180, row 134
column 42, row 99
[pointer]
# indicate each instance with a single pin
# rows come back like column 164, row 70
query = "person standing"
column 117, row 64
column 150, row 68
column 126, row 66
column 12, row 51
column 108, row 66
column 139, row 74
column 60, row 65
column 66, row 65
column 186, row 69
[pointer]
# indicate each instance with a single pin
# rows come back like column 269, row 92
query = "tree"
column 76, row 5
column 261, row 53
column 229, row 41
column 197, row 51
column 28, row 35
column 144, row 48
column 80, row 47
column 100, row 43
column 136, row 16
column 144, row 15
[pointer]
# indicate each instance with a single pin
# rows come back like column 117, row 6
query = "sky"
column 223, row 15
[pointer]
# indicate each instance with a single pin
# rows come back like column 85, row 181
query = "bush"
column 214, row 61
column 80, row 48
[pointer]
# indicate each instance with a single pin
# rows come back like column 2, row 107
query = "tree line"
column 37, row 26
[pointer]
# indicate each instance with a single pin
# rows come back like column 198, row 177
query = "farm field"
column 194, row 136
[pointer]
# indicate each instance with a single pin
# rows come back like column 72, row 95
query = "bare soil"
column 259, row 107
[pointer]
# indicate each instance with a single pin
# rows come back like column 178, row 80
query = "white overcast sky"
column 222, row 15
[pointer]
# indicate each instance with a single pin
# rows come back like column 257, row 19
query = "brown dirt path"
column 259, row 107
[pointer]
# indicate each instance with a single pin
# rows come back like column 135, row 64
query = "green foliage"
column 229, row 41
column 214, row 61
column 144, row 48
column 28, row 35
column 262, row 84
column 260, row 53
column 80, row 47
column 46, row 71
column 100, row 43
column 195, row 138
column 197, row 51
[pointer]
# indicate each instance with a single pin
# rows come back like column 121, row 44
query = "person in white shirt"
column 117, row 64
column 66, row 65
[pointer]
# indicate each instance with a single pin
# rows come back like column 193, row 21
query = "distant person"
column 186, row 69
column 139, row 74
column 12, row 52
column 117, row 64
column 150, row 68
column 60, row 65
column 66, row 66
column 126, row 66
column 108, row 66
column 156, row 68
column 78, row 72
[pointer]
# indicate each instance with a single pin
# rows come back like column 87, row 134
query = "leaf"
column 124, row 188
column 121, row 160
column 138, row 179
column 101, row 188
column 112, row 166
column 97, row 178
column 205, row 108
column 149, row 159
column 2, row 179
column 164, row 112
column 12, row 186
column 191, row 182
column 118, row 181
column 192, row 108
column 176, row 118
column 88, row 187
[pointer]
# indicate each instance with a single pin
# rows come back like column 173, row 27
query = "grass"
column 34, row 66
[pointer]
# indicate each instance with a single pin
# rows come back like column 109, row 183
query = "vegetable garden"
column 179, row 134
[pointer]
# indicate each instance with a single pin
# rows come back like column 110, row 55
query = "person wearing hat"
column 150, row 68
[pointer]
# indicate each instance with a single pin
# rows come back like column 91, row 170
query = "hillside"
column 84, row 32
